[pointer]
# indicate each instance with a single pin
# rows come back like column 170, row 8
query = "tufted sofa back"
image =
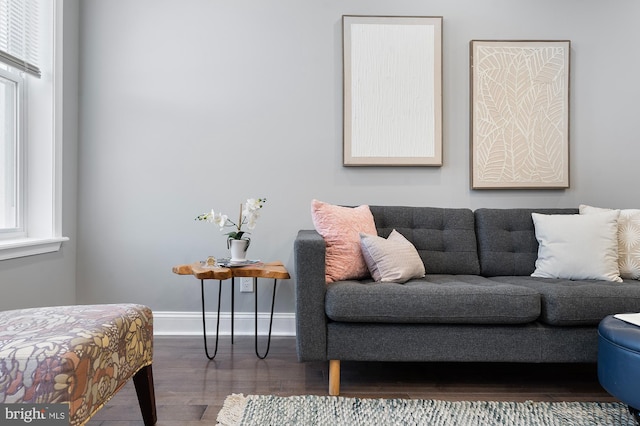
column 507, row 242
column 488, row 242
column 445, row 238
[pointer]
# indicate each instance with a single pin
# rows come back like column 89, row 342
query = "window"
column 30, row 127
column 10, row 155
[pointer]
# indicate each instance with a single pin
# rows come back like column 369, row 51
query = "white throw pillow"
column 628, row 240
column 393, row 259
column 577, row 246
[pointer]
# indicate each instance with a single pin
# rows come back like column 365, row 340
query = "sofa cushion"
column 340, row 227
column 393, row 259
column 577, row 246
column 437, row 299
column 445, row 238
column 507, row 242
column 582, row 302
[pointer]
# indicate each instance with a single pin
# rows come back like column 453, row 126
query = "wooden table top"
column 274, row 270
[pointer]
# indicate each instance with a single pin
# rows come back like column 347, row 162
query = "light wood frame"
column 519, row 114
column 392, row 91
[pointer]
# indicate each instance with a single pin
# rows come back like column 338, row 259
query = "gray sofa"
column 478, row 301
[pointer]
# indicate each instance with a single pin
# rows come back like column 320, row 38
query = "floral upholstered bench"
column 80, row 355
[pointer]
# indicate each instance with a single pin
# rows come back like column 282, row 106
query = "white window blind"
column 19, row 35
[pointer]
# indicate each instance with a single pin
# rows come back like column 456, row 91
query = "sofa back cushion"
column 507, row 242
column 445, row 238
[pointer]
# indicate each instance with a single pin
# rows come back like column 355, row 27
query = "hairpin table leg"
column 273, row 300
column 204, row 325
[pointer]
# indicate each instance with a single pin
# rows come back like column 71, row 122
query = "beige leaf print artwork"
column 520, row 115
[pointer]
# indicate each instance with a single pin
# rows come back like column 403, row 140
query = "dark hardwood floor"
column 190, row 389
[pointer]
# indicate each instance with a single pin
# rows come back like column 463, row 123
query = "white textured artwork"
column 392, row 91
column 520, row 114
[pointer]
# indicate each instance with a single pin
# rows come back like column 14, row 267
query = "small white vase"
column 238, row 249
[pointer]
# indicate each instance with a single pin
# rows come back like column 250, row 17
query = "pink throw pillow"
column 341, row 227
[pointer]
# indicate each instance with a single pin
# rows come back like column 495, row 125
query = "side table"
column 275, row 270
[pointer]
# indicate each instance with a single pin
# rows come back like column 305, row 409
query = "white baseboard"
column 169, row 323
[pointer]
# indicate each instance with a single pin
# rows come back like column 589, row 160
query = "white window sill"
column 12, row 249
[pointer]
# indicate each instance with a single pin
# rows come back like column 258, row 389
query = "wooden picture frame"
column 519, row 114
column 392, row 91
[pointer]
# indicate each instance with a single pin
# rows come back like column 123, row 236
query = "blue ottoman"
column 619, row 361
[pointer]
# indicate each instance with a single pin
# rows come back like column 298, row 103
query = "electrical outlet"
column 246, row 285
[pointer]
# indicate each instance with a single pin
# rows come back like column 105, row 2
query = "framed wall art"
column 519, row 114
column 392, row 91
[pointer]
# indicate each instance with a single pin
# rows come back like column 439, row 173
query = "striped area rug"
column 265, row 410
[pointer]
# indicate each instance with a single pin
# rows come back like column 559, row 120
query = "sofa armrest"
column 311, row 322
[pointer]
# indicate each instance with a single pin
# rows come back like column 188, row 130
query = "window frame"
column 42, row 147
column 14, row 76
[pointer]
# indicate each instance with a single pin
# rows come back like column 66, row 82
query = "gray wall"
column 198, row 104
column 50, row 279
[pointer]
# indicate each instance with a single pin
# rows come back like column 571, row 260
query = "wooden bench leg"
column 143, row 381
column 334, row 377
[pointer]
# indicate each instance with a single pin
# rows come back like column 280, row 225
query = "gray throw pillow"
column 393, row 259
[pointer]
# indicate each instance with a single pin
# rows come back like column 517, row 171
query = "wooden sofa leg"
column 143, row 381
column 334, row 377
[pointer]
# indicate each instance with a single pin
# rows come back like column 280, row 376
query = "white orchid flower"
column 251, row 223
column 254, row 204
column 246, row 212
column 220, row 219
column 249, row 214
